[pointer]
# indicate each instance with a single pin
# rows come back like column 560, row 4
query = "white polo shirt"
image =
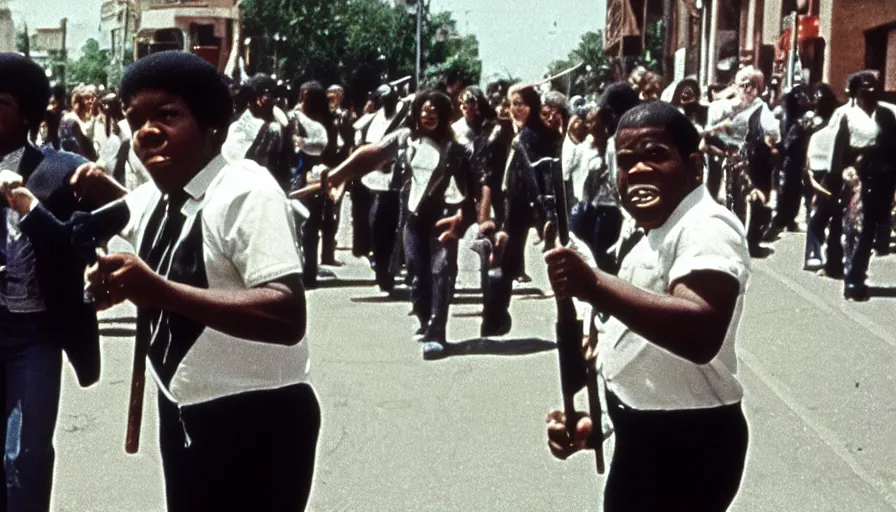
column 238, row 234
column 700, row 235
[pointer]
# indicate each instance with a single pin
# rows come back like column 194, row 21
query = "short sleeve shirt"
column 700, row 235
column 239, row 232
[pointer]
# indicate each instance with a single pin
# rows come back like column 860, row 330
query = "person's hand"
column 487, row 227
column 589, row 345
column 851, row 176
column 17, row 196
column 299, row 143
column 501, row 238
column 20, row 199
column 124, row 276
column 570, row 275
column 336, row 193
column 756, row 195
column 91, row 182
column 450, row 225
column 559, row 442
column 10, row 179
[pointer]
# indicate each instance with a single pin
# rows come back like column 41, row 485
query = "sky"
column 517, row 36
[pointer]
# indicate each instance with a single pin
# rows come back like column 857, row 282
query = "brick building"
column 712, row 38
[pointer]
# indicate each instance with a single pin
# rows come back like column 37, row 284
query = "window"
column 880, row 54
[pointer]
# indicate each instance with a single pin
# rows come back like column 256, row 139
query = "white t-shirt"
column 740, row 118
column 699, row 235
column 821, row 148
column 247, row 240
column 863, row 128
column 379, row 180
column 569, row 157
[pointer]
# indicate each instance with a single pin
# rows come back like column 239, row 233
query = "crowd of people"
column 652, row 201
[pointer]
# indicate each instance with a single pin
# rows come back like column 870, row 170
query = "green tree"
column 359, row 43
column 590, row 76
column 23, row 43
column 92, row 67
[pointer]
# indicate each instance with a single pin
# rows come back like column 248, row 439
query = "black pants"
column 826, row 214
column 517, row 224
column 383, row 223
column 432, row 267
column 328, row 229
column 310, row 237
column 361, row 199
column 687, row 460
column 791, row 192
column 252, row 451
column 30, row 375
column 599, row 227
column 877, row 189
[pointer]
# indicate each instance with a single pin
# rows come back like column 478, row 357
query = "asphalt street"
column 467, row 433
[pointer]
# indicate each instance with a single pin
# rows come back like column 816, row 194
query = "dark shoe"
column 434, row 350
column 771, row 234
column 833, row 273
column 856, row 292
column 434, row 334
column 756, row 251
column 490, row 327
column 793, row 227
column 386, row 284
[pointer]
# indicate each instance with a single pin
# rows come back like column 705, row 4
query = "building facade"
column 48, row 47
column 711, row 39
column 7, row 28
column 118, row 25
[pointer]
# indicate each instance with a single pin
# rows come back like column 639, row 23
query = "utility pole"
column 669, row 30
column 419, row 67
column 791, row 57
column 124, row 34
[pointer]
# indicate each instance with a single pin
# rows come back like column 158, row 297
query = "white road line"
column 884, row 334
column 826, row 435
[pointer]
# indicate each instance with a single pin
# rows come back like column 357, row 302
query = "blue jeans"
column 31, row 368
column 432, row 267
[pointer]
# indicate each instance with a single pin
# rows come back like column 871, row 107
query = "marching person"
column 343, row 119
column 217, row 285
column 794, row 146
column 523, row 185
column 435, row 175
column 76, row 127
column 748, row 122
column 826, row 212
column 667, row 349
column 488, row 140
column 314, row 105
column 384, row 210
column 865, row 152
column 42, row 306
column 596, row 218
column 262, row 132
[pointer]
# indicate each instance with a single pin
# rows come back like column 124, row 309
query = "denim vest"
column 19, row 288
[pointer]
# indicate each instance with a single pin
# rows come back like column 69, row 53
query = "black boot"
column 856, row 292
column 442, row 293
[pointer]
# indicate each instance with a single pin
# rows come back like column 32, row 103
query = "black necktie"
column 159, row 239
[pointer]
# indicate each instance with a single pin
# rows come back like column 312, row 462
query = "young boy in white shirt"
column 666, row 350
